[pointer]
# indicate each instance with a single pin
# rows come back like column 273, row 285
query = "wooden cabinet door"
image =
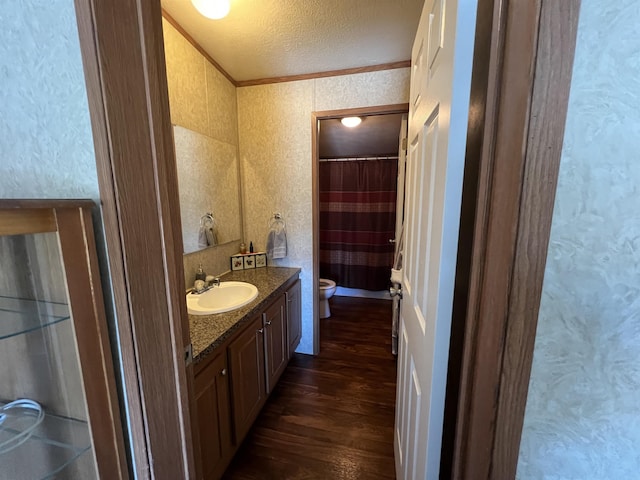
column 294, row 316
column 246, row 365
column 276, row 344
column 213, row 413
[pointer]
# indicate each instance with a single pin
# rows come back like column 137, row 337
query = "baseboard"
column 356, row 292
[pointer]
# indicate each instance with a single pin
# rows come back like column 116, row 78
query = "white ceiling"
column 377, row 135
column 274, row 38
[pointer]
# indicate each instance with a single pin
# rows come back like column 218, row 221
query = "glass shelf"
column 18, row 316
column 53, row 446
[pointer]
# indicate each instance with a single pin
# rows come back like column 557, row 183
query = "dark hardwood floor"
column 331, row 416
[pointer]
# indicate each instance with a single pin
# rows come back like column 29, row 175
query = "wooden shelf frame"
column 73, row 223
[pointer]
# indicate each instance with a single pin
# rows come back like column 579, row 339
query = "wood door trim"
column 518, row 174
column 126, row 85
column 100, row 129
column 550, row 98
column 315, row 189
column 362, row 111
column 329, row 73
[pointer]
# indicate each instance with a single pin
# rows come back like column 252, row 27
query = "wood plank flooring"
column 331, row 416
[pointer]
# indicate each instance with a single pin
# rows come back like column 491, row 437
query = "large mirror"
column 209, row 184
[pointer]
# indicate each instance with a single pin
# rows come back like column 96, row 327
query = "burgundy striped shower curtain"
column 357, row 219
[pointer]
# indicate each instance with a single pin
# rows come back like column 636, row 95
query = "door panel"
column 437, row 135
column 402, row 162
column 411, row 216
column 401, row 406
column 436, row 32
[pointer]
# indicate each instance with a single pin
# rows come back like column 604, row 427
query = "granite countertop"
column 210, row 331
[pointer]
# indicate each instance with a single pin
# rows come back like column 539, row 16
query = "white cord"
column 21, row 437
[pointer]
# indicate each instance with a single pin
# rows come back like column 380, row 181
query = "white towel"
column 212, row 237
column 202, row 237
column 277, row 241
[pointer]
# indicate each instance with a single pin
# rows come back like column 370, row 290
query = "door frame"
column 122, row 50
column 528, row 48
column 527, row 51
column 315, row 179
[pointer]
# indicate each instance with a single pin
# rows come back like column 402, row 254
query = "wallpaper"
column 46, row 146
column 186, row 81
column 583, row 411
column 200, row 97
column 46, row 151
column 204, row 109
column 207, row 182
column 275, row 157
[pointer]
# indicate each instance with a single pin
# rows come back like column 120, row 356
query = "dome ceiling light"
column 351, row 121
column 214, row 9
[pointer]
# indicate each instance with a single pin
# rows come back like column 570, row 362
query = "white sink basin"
column 225, row 298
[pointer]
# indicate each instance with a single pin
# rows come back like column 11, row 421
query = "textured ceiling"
column 377, row 135
column 273, row 38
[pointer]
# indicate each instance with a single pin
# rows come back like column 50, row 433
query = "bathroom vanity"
column 239, row 357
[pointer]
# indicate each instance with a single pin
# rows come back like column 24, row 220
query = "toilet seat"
column 325, row 283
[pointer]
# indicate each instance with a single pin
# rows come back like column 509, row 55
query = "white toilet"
column 327, row 289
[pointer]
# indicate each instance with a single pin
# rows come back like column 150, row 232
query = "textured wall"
column 46, row 151
column 200, row 97
column 204, row 101
column 208, row 182
column 583, row 414
column 275, row 157
column 46, row 147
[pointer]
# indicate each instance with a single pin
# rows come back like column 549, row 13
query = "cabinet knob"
column 267, row 322
column 261, row 330
column 223, row 372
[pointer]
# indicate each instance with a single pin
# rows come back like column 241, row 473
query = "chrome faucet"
column 200, row 286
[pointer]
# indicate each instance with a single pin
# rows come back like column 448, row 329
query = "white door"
column 439, row 104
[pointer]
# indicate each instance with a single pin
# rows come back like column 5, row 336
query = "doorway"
column 103, row 33
column 351, row 170
column 358, row 175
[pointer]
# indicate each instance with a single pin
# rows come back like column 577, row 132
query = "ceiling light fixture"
column 351, row 121
column 214, row 9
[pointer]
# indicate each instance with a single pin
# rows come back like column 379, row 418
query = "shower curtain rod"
column 353, row 159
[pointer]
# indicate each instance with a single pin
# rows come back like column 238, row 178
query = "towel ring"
column 207, row 220
column 277, row 219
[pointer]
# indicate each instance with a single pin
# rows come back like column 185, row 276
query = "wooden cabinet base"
column 232, row 388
